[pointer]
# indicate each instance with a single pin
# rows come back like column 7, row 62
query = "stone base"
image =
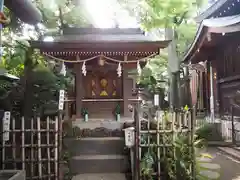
column 101, row 176
column 103, row 123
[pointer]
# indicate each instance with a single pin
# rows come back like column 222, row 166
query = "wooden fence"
column 34, row 145
column 158, row 137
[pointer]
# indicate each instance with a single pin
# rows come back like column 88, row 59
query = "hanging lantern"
column 139, row 69
column 63, row 70
column 84, row 71
column 119, row 70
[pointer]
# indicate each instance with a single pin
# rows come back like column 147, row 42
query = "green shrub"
column 209, row 132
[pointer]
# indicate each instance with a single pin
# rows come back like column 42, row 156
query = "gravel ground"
column 230, row 168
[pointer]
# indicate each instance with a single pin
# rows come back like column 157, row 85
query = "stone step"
column 101, row 176
column 232, row 152
column 96, row 146
column 98, row 164
column 107, row 123
column 210, row 175
column 209, row 166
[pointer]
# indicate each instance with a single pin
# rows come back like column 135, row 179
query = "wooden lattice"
column 33, row 146
column 158, row 137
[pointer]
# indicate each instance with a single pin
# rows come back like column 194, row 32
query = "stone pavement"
column 230, row 166
column 107, row 176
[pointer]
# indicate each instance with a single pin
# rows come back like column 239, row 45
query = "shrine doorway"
column 103, row 92
column 102, row 85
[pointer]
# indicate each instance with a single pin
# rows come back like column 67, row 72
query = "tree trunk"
column 28, row 92
column 173, row 70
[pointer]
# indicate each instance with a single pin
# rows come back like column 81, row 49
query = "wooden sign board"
column 6, row 125
column 61, row 99
column 156, row 100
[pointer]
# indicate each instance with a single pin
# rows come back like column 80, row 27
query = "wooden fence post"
column 60, row 173
column 56, row 149
column 192, row 132
column 48, row 150
column 39, row 148
column 137, row 172
column 233, row 126
column 32, row 148
column 14, row 142
column 23, row 143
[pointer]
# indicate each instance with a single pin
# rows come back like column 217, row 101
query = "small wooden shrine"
column 102, row 61
column 213, row 57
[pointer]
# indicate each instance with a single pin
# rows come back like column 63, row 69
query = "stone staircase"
column 98, row 158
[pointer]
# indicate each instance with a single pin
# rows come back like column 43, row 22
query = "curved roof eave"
column 210, row 11
column 25, row 10
column 222, row 21
column 190, row 50
column 228, row 21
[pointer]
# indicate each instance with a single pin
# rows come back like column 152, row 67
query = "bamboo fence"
column 33, row 146
column 161, row 138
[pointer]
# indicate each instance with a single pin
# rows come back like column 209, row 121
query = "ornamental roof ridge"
column 102, row 31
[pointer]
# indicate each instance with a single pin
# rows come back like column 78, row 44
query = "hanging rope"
column 91, row 58
column 70, row 61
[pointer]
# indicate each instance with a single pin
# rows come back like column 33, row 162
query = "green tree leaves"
column 67, row 12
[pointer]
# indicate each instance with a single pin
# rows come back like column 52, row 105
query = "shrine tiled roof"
column 89, row 40
column 223, row 25
column 24, row 10
column 220, row 8
column 103, row 35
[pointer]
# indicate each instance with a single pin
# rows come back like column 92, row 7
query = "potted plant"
column 118, row 112
column 85, row 114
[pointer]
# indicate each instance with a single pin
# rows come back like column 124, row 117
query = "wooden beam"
column 202, row 55
column 228, row 29
column 140, row 46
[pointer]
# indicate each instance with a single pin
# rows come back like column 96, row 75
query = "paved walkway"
column 230, row 168
column 100, row 177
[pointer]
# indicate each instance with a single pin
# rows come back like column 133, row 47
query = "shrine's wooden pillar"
column 79, row 89
column 66, row 109
column 125, row 92
column 127, row 89
column 216, row 87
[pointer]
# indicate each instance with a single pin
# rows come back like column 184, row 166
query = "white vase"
column 86, row 117
column 118, row 117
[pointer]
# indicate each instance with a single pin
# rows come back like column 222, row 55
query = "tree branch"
column 179, row 21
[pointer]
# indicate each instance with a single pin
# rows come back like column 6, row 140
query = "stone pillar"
column 79, row 89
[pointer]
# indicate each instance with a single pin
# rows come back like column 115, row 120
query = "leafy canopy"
column 161, row 13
